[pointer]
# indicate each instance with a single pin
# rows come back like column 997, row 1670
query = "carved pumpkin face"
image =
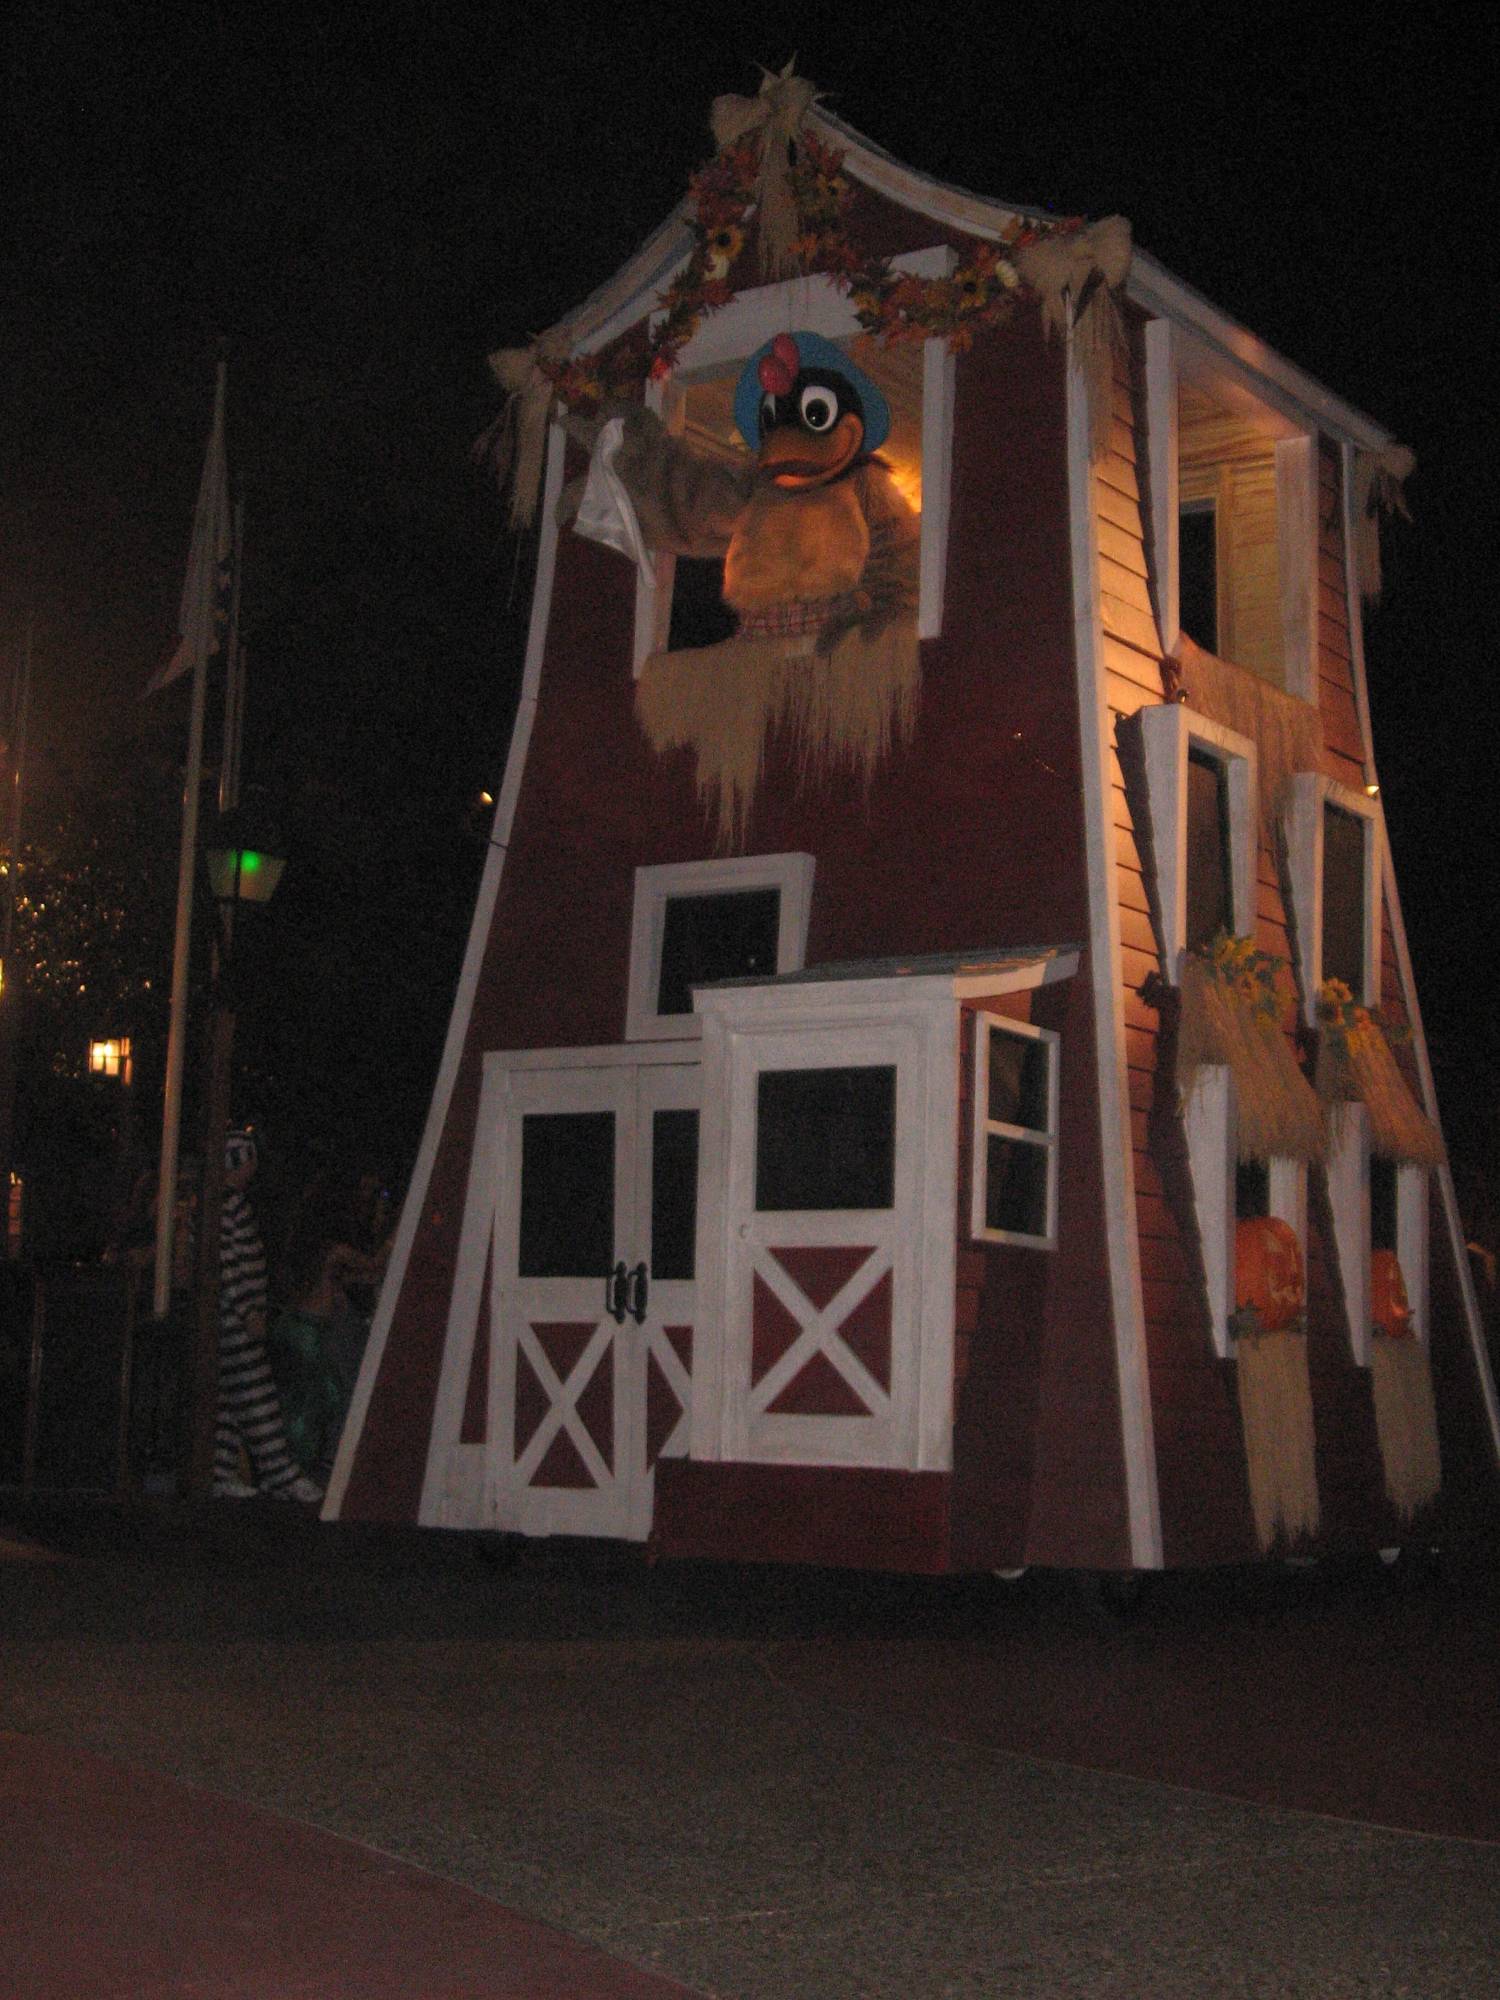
column 1268, row 1270
column 1389, row 1307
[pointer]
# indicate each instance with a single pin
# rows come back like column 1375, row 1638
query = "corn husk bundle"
column 1356, row 1064
column 1077, row 278
column 1405, row 1422
column 847, row 708
column 1230, row 1017
column 1379, row 488
column 1277, row 1420
column 1287, row 733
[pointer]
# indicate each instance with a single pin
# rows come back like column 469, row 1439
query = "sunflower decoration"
column 722, row 247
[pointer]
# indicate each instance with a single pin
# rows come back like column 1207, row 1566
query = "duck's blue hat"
column 813, row 351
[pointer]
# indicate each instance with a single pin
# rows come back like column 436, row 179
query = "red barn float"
column 936, row 1080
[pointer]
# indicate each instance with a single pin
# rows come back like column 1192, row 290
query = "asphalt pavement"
column 754, row 1782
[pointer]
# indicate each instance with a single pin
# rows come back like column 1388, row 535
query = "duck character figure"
column 820, row 554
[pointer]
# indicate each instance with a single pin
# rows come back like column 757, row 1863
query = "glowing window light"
column 110, row 1057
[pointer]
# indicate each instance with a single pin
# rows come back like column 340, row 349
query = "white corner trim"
column 468, row 985
column 1105, row 972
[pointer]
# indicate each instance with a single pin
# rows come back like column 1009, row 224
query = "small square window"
column 697, row 922
column 825, row 1138
column 1015, row 1133
column 732, row 935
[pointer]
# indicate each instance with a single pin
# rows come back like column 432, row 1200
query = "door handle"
column 616, row 1291
column 638, row 1293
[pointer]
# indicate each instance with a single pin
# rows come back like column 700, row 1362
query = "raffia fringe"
column 1379, row 481
column 777, row 111
column 847, row 709
column 1278, row 1110
column 1077, row 278
column 1276, row 1413
column 516, row 445
column 1287, row 733
column 1406, row 1423
column 1362, row 1067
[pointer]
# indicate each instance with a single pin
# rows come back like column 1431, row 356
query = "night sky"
column 365, row 204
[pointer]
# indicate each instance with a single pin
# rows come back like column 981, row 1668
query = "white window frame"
column 656, row 886
column 1174, row 355
column 1169, row 730
column 815, row 305
column 1309, row 795
column 1349, row 1153
column 1045, row 1141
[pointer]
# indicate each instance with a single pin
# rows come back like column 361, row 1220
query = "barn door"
column 821, row 1335
column 593, row 1294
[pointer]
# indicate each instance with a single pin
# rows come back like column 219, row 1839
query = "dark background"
column 366, row 206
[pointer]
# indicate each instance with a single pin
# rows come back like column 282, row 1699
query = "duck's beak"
column 795, row 458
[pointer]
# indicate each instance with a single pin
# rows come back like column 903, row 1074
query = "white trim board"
column 468, row 986
column 1105, row 972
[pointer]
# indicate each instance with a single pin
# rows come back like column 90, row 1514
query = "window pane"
column 1344, row 899
column 700, row 617
column 567, row 1194
column 1015, row 1195
column 728, row 936
column 1252, row 1188
column 674, row 1193
column 825, row 1138
column 1210, row 896
column 1198, row 575
column 1382, row 1204
column 1018, row 1080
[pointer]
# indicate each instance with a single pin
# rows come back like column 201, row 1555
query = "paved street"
column 766, row 1784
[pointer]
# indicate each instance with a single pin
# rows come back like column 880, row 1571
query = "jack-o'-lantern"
column 1389, row 1306
column 1268, row 1271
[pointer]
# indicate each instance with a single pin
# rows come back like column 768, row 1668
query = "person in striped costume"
column 249, row 1408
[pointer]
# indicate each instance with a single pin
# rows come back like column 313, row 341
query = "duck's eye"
column 819, row 409
column 768, row 413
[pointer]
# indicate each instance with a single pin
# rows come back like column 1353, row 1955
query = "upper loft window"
column 1234, row 520
column 696, row 922
column 685, row 607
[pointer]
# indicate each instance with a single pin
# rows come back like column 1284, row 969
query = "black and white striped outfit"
column 249, row 1407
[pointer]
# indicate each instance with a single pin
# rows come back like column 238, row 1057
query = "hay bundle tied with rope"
column 1405, row 1422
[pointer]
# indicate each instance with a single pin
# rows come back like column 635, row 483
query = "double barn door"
column 591, row 1298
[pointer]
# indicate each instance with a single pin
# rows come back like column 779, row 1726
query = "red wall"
column 971, row 838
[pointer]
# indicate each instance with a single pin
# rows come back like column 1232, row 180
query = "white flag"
column 203, row 619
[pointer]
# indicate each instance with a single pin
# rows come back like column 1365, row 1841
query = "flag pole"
column 200, row 636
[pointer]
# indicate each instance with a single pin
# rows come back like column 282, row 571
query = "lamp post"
column 244, row 865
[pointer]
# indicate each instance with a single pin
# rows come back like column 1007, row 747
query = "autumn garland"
column 894, row 306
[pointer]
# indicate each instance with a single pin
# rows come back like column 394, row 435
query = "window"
column 684, row 606
column 1198, row 572
column 1200, row 783
column 1333, row 859
column 1210, row 848
column 696, row 922
column 1015, row 1133
column 825, row 1139
column 1234, row 523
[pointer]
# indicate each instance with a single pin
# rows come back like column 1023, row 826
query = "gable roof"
column 618, row 302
